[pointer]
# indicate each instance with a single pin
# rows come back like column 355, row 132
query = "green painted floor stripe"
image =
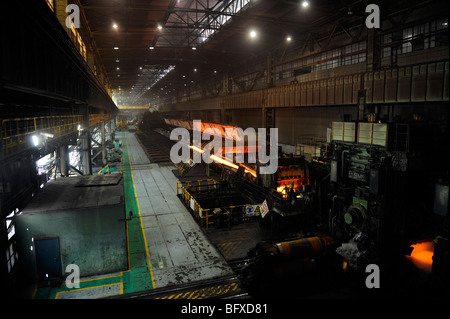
column 139, row 276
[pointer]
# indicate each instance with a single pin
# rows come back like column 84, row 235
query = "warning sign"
column 252, row 210
column 265, row 209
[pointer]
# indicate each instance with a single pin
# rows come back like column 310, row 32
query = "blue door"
column 48, row 259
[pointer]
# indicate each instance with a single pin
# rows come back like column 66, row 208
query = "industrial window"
column 288, row 74
column 407, row 36
column 406, row 47
column 11, row 257
column 11, row 253
column 229, row 8
column 387, row 38
column 350, row 54
column 415, row 38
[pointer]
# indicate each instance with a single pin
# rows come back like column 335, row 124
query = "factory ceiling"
column 141, row 41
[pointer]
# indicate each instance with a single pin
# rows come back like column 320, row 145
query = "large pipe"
column 285, row 259
column 302, row 248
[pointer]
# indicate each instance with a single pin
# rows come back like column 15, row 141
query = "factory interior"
column 233, row 150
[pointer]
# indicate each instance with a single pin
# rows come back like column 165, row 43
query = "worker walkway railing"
column 99, row 118
column 17, row 133
column 193, row 192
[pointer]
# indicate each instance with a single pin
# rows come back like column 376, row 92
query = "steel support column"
column 103, row 140
column 64, row 160
column 85, row 151
column 373, row 48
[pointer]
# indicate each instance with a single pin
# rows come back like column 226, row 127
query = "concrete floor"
column 166, row 245
column 179, row 251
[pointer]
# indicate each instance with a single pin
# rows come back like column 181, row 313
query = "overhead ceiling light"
column 288, row 39
column 305, row 3
column 253, row 34
column 159, row 27
column 115, row 26
column 116, row 48
column 195, row 70
column 117, row 61
column 118, row 68
column 194, row 48
column 140, row 68
column 152, row 48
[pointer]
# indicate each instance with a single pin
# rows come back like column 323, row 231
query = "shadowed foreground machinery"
column 297, row 259
column 378, row 194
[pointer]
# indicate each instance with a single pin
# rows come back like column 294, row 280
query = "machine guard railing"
column 206, row 216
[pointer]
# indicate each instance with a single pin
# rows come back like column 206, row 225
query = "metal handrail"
column 16, row 132
column 203, row 215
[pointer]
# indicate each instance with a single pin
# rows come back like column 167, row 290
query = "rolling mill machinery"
column 377, row 197
column 287, row 191
column 373, row 196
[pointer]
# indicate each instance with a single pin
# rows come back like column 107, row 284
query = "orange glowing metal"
column 195, row 148
column 249, row 170
column 281, row 189
column 422, row 255
column 224, row 161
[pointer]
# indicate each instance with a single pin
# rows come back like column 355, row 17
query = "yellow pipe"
column 302, row 248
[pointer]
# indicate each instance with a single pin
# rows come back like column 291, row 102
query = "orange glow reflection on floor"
column 422, row 255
